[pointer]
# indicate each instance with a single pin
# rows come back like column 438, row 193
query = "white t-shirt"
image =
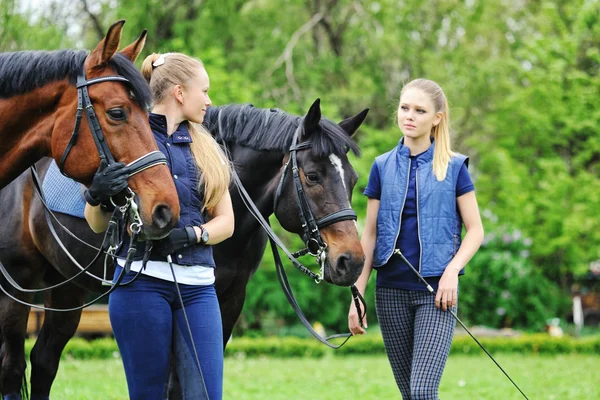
column 187, row 275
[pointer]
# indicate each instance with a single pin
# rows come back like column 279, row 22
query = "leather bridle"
column 84, row 103
column 315, row 245
column 311, row 235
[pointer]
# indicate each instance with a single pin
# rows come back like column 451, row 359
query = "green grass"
column 569, row 377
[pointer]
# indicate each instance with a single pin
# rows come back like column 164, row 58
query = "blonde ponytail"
column 441, row 131
column 147, row 66
column 213, row 164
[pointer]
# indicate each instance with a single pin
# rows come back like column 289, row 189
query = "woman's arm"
column 222, row 222
column 368, row 244
column 469, row 212
column 96, row 218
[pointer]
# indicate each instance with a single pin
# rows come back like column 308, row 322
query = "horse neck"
column 26, row 129
column 259, row 173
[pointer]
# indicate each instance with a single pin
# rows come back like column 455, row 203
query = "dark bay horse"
column 44, row 97
column 258, row 141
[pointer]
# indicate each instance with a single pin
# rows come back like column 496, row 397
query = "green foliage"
column 502, row 287
column 370, row 344
column 522, row 79
column 81, row 349
column 20, row 30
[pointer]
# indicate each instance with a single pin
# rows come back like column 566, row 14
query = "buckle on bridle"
column 314, row 247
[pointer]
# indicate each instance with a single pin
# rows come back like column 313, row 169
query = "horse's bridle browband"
column 310, row 226
column 84, row 103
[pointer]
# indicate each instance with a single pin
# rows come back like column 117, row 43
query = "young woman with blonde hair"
column 146, row 315
column 419, row 196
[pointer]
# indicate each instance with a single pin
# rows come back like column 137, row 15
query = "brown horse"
column 43, row 96
column 259, row 142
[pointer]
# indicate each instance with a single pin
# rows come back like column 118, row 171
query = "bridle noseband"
column 315, row 245
column 84, row 103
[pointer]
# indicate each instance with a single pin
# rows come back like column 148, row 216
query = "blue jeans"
column 148, row 323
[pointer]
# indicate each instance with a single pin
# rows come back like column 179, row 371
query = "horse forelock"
column 137, row 83
column 24, row 71
column 273, row 129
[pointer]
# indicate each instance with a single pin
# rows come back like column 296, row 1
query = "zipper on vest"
column 401, row 210
column 418, row 219
column 454, row 244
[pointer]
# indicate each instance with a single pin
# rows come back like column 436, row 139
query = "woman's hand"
column 354, row 323
column 107, row 182
column 447, row 293
column 177, row 239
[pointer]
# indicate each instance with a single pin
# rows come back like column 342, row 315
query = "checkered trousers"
column 417, row 338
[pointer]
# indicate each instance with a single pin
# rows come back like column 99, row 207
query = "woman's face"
column 416, row 114
column 195, row 97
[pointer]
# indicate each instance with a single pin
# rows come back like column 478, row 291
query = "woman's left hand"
column 447, row 293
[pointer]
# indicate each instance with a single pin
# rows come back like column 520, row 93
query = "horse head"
column 326, row 180
column 120, row 108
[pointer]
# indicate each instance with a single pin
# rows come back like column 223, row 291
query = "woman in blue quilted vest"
column 147, row 316
column 420, row 195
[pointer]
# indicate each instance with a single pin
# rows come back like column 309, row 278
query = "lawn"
column 569, row 377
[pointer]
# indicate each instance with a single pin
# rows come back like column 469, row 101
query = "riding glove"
column 107, row 182
column 177, row 239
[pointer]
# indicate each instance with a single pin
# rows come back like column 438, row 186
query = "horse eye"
column 312, row 177
column 117, row 114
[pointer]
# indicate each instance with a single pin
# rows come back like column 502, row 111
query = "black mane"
column 24, row 71
column 273, row 129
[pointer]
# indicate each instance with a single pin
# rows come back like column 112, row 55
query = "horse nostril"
column 162, row 216
column 343, row 261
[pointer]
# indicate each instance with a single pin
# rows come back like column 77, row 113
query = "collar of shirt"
column 421, row 158
column 158, row 123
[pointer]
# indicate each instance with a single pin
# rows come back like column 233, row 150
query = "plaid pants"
column 417, row 338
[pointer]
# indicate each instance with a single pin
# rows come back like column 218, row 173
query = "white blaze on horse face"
column 337, row 163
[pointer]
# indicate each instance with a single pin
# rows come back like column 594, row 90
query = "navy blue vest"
column 185, row 175
column 439, row 223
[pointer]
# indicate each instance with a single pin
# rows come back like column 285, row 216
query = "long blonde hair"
column 441, row 131
column 163, row 71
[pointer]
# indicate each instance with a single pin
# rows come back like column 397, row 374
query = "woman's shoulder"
column 382, row 158
column 459, row 159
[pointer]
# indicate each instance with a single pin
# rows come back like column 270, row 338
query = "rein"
column 315, row 245
column 282, row 276
column 430, row 289
column 118, row 214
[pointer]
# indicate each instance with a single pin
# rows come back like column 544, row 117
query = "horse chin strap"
column 85, row 103
column 311, row 235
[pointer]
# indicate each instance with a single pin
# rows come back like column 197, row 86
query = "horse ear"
column 351, row 125
column 134, row 49
column 312, row 119
column 107, row 46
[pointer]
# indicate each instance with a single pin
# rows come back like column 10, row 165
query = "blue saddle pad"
column 63, row 194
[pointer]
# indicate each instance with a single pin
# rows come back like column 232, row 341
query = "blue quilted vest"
column 185, row 175
column 439, row 223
